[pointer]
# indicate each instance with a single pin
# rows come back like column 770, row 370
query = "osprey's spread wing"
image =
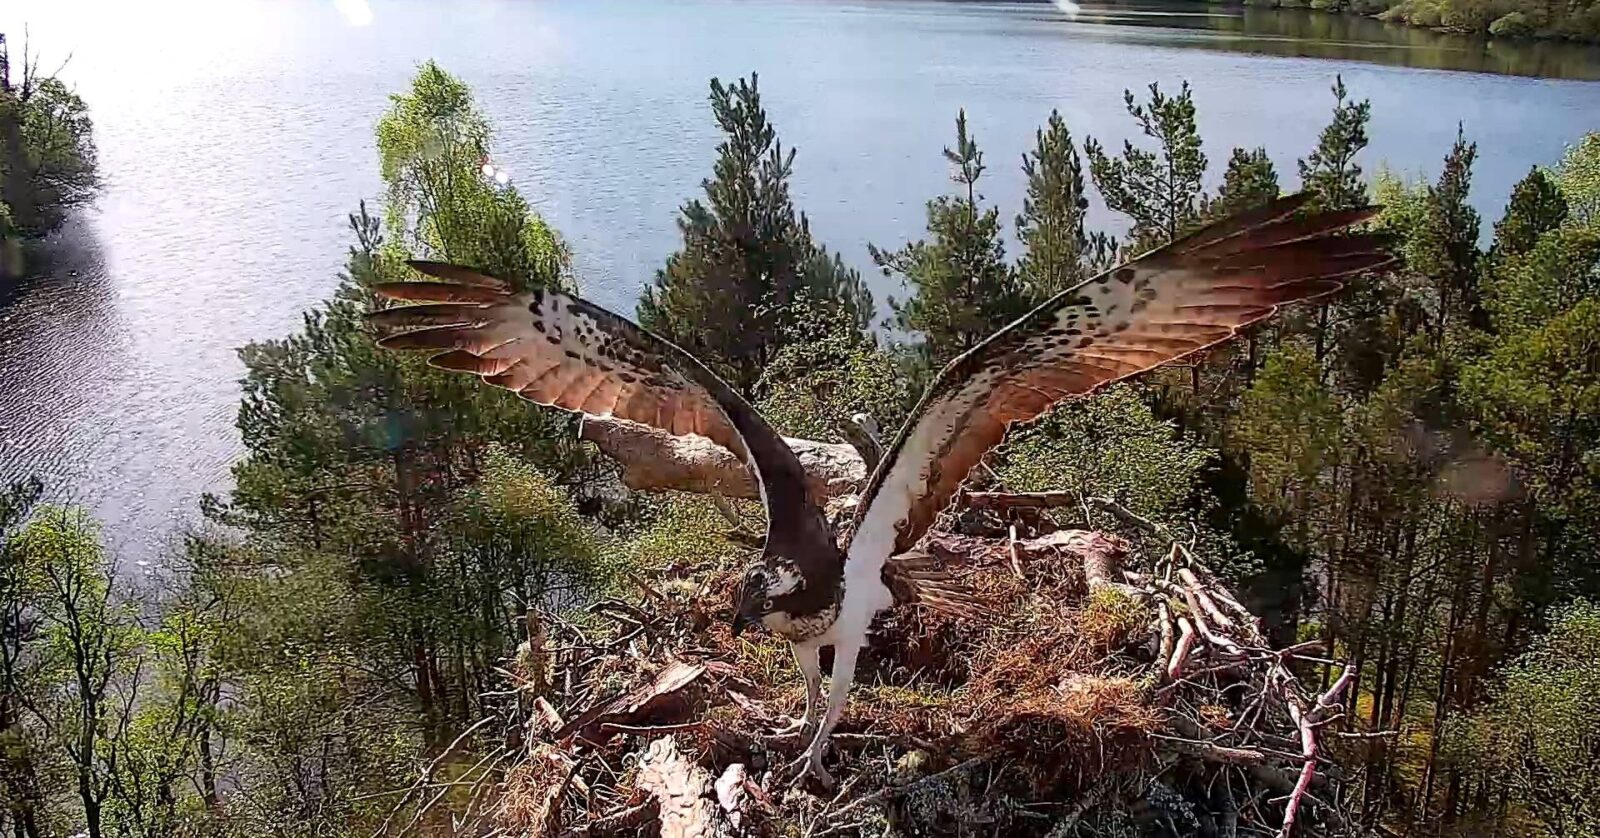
column 558, row 350
column 1190, row 295
column 550, row 348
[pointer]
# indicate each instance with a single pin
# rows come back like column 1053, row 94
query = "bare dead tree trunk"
column 654, row 459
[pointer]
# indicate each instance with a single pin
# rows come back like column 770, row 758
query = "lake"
column 236, row 136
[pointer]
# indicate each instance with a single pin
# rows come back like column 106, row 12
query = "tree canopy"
column 1405, row 476
column 47, row 154
column 748, row 264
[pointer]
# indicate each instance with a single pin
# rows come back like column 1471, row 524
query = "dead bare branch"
column 653, row 459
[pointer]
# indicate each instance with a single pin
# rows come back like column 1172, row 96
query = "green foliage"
column 827, row 374
column 1250, row 181
column 1059, row 251
column 1159, row 190
column 1511, row 25
column 26, row 770
column 1576, row 21
column 1539, row 735
column 1438, row 229
column 1330, row 170
column 963, row 290
column 1561, row 270
column 1536, row 207
column 748, row 260
column 79, row 670
column 1110, row 617
column 394, row 521
column 1578, row 176
column 1406, row 205
column 523, row 536
column 678, row 529
column 167, row 744
column 47, row 152
column 1537, row 399
column 444, row 201
column 1110, row 446
column 1291, row 425
column 318, row 722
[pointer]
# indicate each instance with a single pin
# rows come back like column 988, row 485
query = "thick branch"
column 654, row 459
column 1101, row 554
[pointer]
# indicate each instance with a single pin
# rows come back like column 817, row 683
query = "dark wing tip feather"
column 457, row 273
column 1240, row 222
column 1278, row 222
column 1292, row 229
column 438, row 292
column 457, row 360
column 440, row 338
column 426, row 315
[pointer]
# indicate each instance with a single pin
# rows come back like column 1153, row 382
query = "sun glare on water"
column 356, row 12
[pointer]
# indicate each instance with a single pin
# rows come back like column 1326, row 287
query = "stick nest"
column 1104, row 691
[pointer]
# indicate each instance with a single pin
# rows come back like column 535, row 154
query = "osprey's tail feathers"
column 925, row 580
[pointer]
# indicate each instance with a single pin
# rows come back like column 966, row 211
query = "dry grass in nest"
column 529, row 804
column 1075, row 731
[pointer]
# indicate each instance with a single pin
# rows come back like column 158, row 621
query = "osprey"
column 555, row 349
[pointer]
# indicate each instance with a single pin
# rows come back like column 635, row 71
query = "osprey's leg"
column 807, row 657
column 844, row 674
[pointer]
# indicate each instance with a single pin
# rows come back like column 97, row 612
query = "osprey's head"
column 760, row 593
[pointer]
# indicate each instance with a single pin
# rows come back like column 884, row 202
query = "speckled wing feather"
column 558, row 350
column 1181, row 299
column 549, row 348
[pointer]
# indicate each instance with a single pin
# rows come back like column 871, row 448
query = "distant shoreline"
column 1507, row 20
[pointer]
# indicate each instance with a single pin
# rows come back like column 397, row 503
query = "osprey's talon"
column 802, row 727
column 808, row 765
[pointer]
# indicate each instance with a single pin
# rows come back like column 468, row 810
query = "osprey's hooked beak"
column 747, row 604
column 746, row 614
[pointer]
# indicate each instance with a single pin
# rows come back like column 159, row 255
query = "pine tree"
column 1536, row 207
column 1452, row 235
column 1539, row 734
column 1159, row 190
column 729, row 294
column 1330, row 170
column 1060, row 252
column 964, row 290
column 1250, row 181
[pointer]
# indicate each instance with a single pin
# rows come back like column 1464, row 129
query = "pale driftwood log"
column 1101, row 555
column 653, row 459
column 682, row 791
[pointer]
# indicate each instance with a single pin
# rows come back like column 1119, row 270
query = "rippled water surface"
column 236, row 136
